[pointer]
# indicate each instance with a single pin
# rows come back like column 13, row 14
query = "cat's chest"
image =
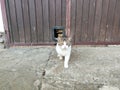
column 63, row 52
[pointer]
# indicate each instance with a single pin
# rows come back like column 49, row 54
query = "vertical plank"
column 68, row 12
column 20, row 20
column 51, row 16
column 3, row 7
column 110, row 20
column 33, row 21
column 103, row 20
column 85, row 17
column 14, row 21
column 115, row 31
column 45, row 20
column 7, row 20
column 63, row 12
column 26, row 21
column 4, row 10
column 73, row 18
column 97, row 20
column 78, row 21
column 58, row 12
column 91, row 20
column 39, row 19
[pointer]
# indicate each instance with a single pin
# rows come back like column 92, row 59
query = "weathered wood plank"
column 78, row 20
column 26, row 21
column 97, row 20
column 73, row 18
column 39, row 20
column 85, row 18
column 7, row 20
column 14, row 26
column 19, row 14
column 116, row 31
column 45, row 20
column 32, row 21
column 110, row 21
column 52, row 16
column 58, row 12
column 63, row 12
column 103, row 25
column 91, row 20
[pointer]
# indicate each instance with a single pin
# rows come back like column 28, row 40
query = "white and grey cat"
column 63, row 49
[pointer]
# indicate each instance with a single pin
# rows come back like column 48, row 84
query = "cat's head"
column 64, row 42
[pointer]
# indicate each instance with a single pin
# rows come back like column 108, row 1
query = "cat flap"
column 58, row 31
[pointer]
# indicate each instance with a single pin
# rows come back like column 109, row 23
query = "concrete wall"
column 1, row 21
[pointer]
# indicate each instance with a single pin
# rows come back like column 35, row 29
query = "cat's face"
column 64, row 42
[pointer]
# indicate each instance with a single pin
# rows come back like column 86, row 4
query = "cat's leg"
column 66, row 61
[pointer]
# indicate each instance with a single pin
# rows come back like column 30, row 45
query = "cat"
column 63, row 49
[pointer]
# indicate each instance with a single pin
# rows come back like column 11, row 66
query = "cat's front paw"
column 65, row 66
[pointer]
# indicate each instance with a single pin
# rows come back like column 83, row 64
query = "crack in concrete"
column 44, row 72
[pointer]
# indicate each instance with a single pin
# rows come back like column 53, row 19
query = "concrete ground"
column 38, row 68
